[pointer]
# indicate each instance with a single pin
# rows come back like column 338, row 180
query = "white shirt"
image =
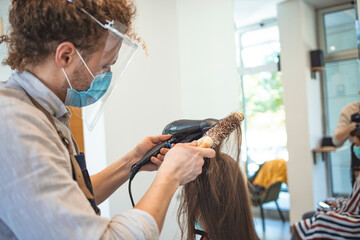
column 39, row 198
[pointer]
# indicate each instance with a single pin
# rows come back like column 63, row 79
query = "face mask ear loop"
column 74, row 110
column 84, row 63
column 67, row 78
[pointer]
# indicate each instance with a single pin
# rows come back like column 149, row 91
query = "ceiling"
column 247, row 12
column 324, row 3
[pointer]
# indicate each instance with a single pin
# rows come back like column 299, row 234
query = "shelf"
column 325, row 151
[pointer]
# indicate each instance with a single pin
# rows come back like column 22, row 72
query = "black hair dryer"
column 189, row 130
column 181, row 131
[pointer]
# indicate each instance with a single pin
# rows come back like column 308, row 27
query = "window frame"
column 338, row 55
column 332, row 57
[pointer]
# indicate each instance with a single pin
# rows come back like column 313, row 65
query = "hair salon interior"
column 289, row 66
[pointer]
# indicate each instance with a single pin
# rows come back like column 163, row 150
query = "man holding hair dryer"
column 349, row 122
column 63, row 53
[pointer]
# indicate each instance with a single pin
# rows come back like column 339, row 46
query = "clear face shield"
column 117, row 54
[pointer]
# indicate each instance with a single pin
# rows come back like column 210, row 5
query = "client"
column 218, row 202
column 340, row 222
column 342, row 219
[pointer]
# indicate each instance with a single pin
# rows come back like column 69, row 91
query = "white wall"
column 207, row 58
column 191, row 73
column 307, row 182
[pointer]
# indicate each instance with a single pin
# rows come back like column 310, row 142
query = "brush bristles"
column 224, row 128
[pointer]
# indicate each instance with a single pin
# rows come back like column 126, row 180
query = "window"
column 261, row 95
column 260, row 47
column 340, row 29
column 338, row 39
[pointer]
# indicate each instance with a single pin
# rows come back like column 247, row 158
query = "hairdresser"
column 62, row 53
column 349, row 121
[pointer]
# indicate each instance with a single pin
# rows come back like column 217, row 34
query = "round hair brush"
column 221, row 130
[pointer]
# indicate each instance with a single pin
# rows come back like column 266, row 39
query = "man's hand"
column 344, row 134
column 144, row 146
column 183, row 163
column 352, row 126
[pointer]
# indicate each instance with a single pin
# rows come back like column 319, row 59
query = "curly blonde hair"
column 39, row 26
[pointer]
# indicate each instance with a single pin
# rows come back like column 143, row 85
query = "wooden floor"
column 274, row 229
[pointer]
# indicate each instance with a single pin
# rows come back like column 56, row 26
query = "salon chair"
column 268, row 195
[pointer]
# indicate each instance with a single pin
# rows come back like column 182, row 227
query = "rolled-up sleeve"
column 343, row 122
column 39, row 198
column 126, row 226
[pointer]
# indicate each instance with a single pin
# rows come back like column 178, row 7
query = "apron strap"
column 74, row 164
column 75, row 145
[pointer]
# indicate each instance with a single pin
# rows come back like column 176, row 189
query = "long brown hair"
column 220, row 198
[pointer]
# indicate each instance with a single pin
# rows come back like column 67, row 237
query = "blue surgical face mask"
column 98, row 88
column 356, row 150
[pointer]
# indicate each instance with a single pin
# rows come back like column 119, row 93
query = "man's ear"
column 64, row 54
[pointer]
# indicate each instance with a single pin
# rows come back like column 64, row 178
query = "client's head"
column 219, row 199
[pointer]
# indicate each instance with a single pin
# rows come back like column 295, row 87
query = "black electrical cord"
column 145, row 160
column 134, row 170
column 130, row 194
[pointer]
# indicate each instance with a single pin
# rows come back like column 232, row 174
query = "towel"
column 271, row 172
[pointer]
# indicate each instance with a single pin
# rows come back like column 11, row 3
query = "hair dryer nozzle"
column 184, row 126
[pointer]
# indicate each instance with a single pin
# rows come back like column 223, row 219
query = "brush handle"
column 206, row 142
